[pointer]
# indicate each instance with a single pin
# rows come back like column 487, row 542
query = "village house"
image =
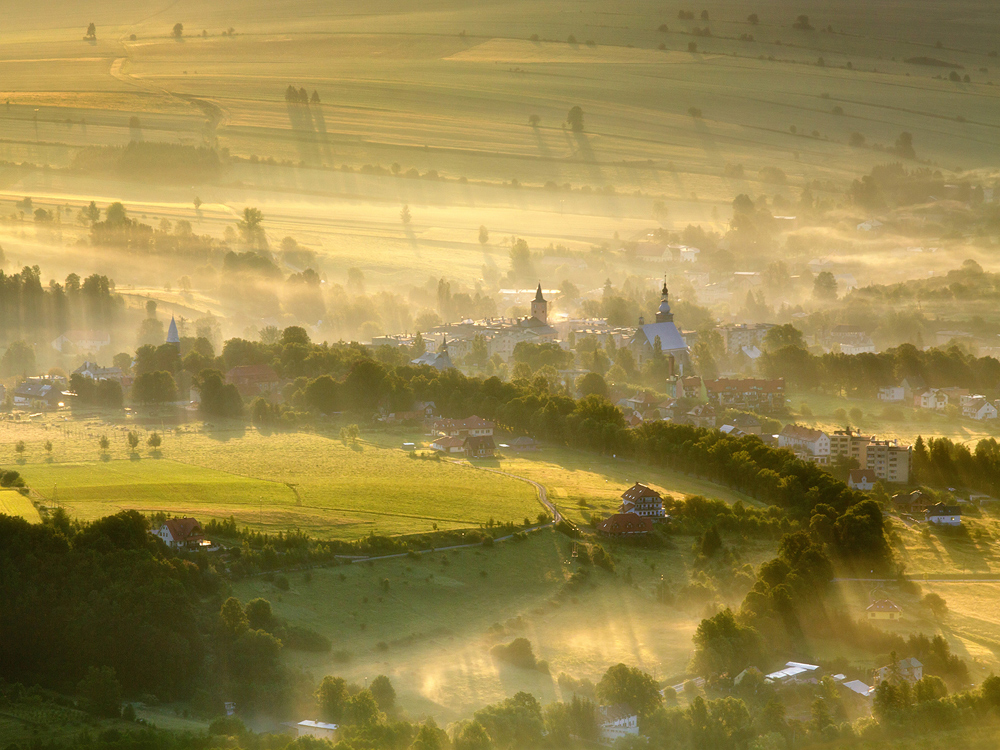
column 642, row 500
column 689, row 387
column 910, row 670
column 642, row 401
column 746, row 423
column 439, row 360
column 807, row 443
column 448, row 444
column 181, row 532
column 911, row 502
column 736, row 337
column 318, row 729
column 469, row 427
column 944, row 515
column 977, row 407
column 524, row 444
column 41, row 391
column 687, row 254
column 254, row 380
column 82, row 342
column 479, row 446
column 615, row 722
column 94, row 371
column 703, row 415
column 747, row 394
column 883, row 609
column 891, row 394
column 862, row 479
column 625, row 524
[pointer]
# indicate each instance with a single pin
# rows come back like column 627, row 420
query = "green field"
column 429, row 633
column 278, row 481
column 13, row 503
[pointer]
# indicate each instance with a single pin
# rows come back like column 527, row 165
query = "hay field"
column 450, row 86
column 13, row 503
column 274, row 482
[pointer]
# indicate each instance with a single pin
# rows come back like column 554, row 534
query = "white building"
column 82, row 342
column 944, row 515
column 317, row 729
column 891, row 393
column 688, row 254
column 977, row 407
column 862, row 479
column 812, row 445
column 616, row 722
column 862, row 346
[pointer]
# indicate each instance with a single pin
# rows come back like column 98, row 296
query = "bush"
column 518, row 653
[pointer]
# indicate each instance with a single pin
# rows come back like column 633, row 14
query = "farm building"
column 625, row 524
column 615, row 722
column 642, row 501
column 181, row 532
column 883, row 609
column 317, row 729
column 944, row 515
column 910, row 670
column 479, row 446
column 446, row 444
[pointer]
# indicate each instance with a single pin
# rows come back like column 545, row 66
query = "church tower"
column 539, row 307
column 172, row 337
column 663, row 314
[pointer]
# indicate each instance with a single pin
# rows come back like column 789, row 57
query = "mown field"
column 13, row 503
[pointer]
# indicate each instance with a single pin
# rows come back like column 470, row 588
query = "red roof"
column 883, row 605
column 447, row 443
column 183, row 529
column 625, row 523
column 863, row 475
column 745, row 385
column 252, row 374
column 639, row 490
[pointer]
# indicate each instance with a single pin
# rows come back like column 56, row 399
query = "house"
column 642, row 500
column 807, row 443
column 747, row 357
column 747, row 423
column 794, row 672
column 910, row 670
column 181, row 532
column 932, row 398
column 82, row 342
column 439, row 360
column 49, row 392
column 862, row 479
column 690, row 387
column 652, row 252
column 944, row 515
column 862, row 346
column 523, row 444
column 666, row 409
column 625, row 524
column 479, row 446
column 746, row 394
column 660, row 337
column 911, row 502
column 642, row 401
column 703, row 415
column 883, row 609
column 534, row 329
column 731, row 430
column 615, row 722
column 688, row 254
column 860, row 688
column 736, row 337
column 317, row 729
column 254, row 380
column 891, row 394
column 447, row 444
column 977, row 407
column 469, row 427
column 634, row 420
column 94, row 371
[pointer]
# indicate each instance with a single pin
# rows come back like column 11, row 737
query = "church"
column 662, row 333
column 534, row 329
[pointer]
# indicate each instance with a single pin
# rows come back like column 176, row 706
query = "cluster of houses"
column 471, row 437
column 722, row 394
column 913, row 391
column 918, row 503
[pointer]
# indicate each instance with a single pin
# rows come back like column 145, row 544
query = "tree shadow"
column 156, row 453
column 224, row 435
column 543, row 149
column 321, row 135
column 133, row 456
column 21, row 461
column 304, row 131
column 105, row 457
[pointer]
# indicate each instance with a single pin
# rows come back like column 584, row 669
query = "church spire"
column 538, row 293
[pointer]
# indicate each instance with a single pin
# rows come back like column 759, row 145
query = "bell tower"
column 539, row 307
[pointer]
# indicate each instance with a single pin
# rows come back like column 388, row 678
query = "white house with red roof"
column 642, row 500
column 182, row 532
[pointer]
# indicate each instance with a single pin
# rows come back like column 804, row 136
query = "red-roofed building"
column 883, row 609
column 642, row 501
column 182, row 532
column 479, row 446
column 625, row 524
column 748, row 394
column 862, row 479
column 470, row 427
column 446, row 444
column 254, row 380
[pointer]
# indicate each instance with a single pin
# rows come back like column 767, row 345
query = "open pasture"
column 274, row 482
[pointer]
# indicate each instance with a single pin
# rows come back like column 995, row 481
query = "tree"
column 575, row 119
column 753, row 19
column 724, row 645
column 218, row 398
column 101, row 693
column 315, row 97
column 936, row 604
column 825, row 286
column 430, row 737
column 178, row 30
column 104, row 443
column 332, row 696
column 783, row 336
column 534, row 120
column 419, row 346
column 484, row 235
column 133, row 441
column 20, row 447
column 233, row 620
column 154, row 441
column 384, row 693
column 91, row 31
column 155, row 387
column 802, row 24
column 591, row 384
column 473, row 736
column 904, row 146
column 48, row 447
column 404, row 215
column 631, row 686
column 19, row 359
column 251, row 227
column 259, row 614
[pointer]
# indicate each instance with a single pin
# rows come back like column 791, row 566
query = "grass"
column 13, row 503
column 305, row 480
column 430, row 632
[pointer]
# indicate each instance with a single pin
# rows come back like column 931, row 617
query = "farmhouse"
column 470, row 427
column 977, row 407
column 912, row 502
column 524, row 444
column 625, row 524
column 944, row 515
column 861, row 479
column 883, row 609
column 891, row 393
column 446, row 444
column 615, row 722
column 181, row 532
column 47, row 391
column 479, row 446
column 316, row 729
column 642, row 500
column 703, row 415
column 95, row 372
column 910, row 670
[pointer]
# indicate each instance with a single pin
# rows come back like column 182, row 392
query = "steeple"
column 663, row 314
column 172, row 336
column 539, row 307
column 444, row 344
